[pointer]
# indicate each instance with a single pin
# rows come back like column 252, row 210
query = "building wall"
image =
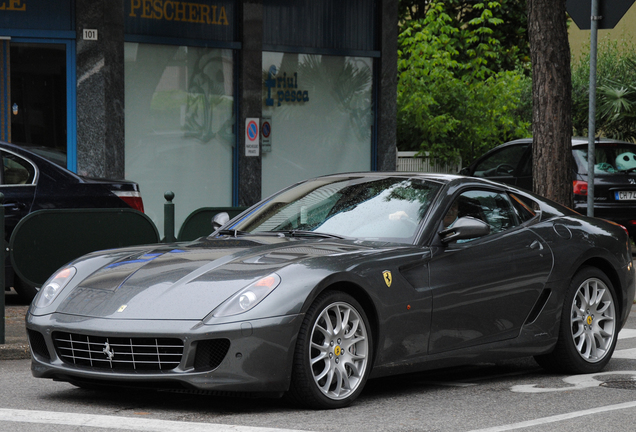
column 340, row 34
column 100, row 89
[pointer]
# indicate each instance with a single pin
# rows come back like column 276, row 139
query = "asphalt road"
column 512, row 395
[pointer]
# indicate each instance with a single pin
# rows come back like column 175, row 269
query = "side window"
column 501, row 163
column 491, row 207
column 16, row 171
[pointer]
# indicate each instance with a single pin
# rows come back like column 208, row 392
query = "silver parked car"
column 339, row 279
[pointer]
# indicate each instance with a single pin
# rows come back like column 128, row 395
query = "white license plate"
column 625, row 195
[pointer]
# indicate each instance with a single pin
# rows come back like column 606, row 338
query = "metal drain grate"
column 621, row 384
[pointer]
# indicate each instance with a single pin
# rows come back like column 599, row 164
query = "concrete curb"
column 15, row 352
column 16, row 346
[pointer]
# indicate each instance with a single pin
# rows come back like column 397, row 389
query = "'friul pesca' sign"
column 195, row 19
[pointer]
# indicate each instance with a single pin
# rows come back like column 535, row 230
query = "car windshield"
column 611, row 158
column 369, row 208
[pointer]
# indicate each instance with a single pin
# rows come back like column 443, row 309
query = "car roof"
column 576, row 141
column 445, row 178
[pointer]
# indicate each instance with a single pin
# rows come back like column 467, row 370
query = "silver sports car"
column 339, row 279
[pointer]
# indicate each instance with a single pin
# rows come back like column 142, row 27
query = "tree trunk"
column 551, row 100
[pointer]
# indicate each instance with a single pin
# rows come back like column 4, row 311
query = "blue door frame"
column 71, row 95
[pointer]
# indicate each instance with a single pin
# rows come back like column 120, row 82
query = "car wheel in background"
column 333, row 353
column 588, row 331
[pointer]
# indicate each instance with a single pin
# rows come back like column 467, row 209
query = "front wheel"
column 589, row 328
column 333, row 353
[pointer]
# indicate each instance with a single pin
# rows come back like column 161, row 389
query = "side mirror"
column 465, row 228
column 219, row 220
column 464, row 171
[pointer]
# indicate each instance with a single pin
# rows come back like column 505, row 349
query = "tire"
column 589, row 328
column 25, row 291
column 333, row 358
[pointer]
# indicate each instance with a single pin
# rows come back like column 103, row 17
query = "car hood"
column 187, row 281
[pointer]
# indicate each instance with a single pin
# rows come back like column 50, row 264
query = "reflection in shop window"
column 321, row 116
column 179, row 117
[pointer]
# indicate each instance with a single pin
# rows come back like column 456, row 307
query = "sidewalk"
column 16, row 346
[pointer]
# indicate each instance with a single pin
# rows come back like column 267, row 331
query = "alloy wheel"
column 338, row 352
column 593, row 320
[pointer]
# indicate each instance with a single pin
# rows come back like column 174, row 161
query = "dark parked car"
column 614, row 175
column 31, row 182
column 339, row 279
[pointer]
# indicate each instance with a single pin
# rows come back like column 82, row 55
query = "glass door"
column 39, row 98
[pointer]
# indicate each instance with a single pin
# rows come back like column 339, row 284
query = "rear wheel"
column 333, row 353
column 588, row 331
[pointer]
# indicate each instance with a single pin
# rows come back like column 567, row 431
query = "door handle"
column 536, row 245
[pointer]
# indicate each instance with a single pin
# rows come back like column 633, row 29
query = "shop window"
column 320, row 111
column 179, row 126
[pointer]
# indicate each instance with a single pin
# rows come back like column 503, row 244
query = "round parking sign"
column 266, row 129
column 252, row 130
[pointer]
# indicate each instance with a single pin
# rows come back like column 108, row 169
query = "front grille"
column 120, row 353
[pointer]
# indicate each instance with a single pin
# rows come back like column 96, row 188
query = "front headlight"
column 248, row 297
column 54, row 287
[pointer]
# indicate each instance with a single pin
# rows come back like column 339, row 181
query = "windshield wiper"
column 303, row 233
column 236, row 233
column 628, row 170
column 232, row 232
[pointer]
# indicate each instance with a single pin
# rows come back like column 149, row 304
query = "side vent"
column 38, row 344
column 538, row 306
column 210, row 353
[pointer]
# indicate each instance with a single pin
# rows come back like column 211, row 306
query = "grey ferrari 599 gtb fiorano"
column 339, row 279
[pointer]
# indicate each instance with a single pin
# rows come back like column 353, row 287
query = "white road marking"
column 580, row 382
column 626, row 334
column 122, row 423
column 625, row 354
column 557, row 418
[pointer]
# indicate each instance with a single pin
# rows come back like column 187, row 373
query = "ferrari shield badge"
column 387, row 277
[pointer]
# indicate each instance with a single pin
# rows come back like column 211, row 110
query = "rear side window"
column 523, row 208
column 610, row 158
column 502, row 162
column 16, row 171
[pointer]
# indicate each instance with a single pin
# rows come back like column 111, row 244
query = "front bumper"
column 259, row 358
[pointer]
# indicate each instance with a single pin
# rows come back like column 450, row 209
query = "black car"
column 614, row 175
column 31, row 182
column 339, row 279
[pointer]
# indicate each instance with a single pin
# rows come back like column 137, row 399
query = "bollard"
column 2, row 269
column 168, row 218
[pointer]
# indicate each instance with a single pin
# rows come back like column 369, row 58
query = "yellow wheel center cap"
column 337, row 351
column 589, row 320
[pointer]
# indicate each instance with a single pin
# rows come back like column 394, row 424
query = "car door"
column 484, row 289
column 18, row 179
column 505, row 164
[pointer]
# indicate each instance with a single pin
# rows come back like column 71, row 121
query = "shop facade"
column 222, row 102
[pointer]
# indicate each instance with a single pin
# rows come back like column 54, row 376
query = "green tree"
column 454, row 98
column 616, row 91
column 511, row 33
column 552, row 100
